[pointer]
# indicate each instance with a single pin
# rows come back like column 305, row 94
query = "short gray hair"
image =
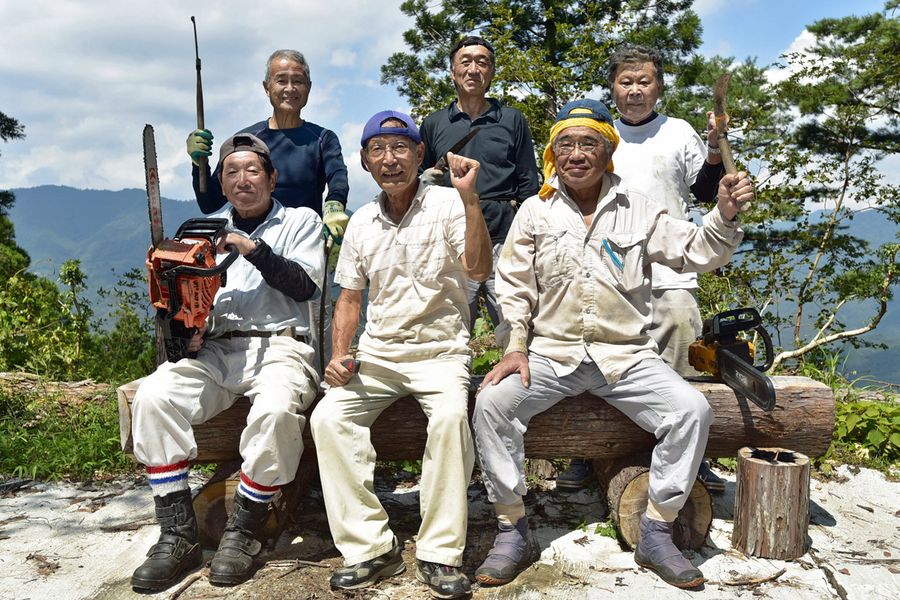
column 634, row 54
column 291, row 55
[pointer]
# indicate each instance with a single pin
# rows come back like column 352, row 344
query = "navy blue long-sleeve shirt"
column 503, row 146
column 307, row 159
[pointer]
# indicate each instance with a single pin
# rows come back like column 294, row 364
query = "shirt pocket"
column 425, row 259
column 624, row 256
column 552, row 256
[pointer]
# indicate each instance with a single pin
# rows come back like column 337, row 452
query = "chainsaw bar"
column 154, row 204
column 746, row 379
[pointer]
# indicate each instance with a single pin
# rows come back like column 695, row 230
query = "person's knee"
column 277, row 405
column 323, row 419
column 491, row 407
column 451, row 416
column 151, row 400
column 699, row 411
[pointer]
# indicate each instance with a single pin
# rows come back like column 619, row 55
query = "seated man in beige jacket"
column 573, row 281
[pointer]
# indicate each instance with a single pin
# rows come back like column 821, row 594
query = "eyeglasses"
column 567, row 147
column 398, row 149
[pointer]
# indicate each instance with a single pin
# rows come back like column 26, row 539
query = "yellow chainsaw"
column 722, row 353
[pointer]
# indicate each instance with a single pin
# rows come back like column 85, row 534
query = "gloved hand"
column 335, row 220
column 199, row 144
column 433, row 176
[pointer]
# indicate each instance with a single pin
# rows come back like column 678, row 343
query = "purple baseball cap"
column 374, row 127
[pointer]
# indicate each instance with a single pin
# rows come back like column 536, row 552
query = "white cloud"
column 800, row 44
column 84, row 78
column 342, row 58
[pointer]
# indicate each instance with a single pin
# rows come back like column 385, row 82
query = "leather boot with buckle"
column 234, row 560
column 177, row 550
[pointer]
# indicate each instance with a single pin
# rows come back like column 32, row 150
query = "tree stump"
column 627, row 491
column 771, row 503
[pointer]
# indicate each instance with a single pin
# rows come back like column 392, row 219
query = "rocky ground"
column 63, row 541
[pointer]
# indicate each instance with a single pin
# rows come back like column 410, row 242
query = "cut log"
column 627, row 483
column 585, row 426
column 213, row 501
column 771, row 503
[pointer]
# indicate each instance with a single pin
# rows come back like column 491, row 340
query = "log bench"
column 582, row 426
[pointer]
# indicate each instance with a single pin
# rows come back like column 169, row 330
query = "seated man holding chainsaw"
column 574, row 283
column 413, row 247
column 256, row 345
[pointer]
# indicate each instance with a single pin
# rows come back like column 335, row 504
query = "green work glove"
column 199, row 144
column 335, row 220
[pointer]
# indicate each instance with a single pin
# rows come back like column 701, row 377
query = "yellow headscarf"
column 605, row 129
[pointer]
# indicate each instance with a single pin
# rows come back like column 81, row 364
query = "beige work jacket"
column 568, row 291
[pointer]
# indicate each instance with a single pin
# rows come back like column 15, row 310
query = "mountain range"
column 109, row 232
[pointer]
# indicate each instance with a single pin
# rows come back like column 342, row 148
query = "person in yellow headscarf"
column 573, row 281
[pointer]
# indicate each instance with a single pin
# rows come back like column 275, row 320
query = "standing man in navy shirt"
column 503, row 146
column 307, row 156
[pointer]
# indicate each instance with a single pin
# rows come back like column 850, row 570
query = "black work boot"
column 177, row 550
column 656, row 551
column 234, row 560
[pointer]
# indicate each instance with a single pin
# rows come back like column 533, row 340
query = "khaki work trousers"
column 340, row 426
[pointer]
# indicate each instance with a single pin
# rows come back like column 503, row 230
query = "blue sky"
column 84, row 77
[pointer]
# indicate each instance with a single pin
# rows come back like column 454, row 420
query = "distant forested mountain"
column 109, row 232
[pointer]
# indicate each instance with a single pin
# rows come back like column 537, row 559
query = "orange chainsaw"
column 184, row 279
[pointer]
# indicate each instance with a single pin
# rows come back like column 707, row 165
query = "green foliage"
column 606, row 529
column 47, row 331
column 869, row 430
column 485, row 360
column 801, row 263
column 43, row 438
column 127, row 351
column 547, row 52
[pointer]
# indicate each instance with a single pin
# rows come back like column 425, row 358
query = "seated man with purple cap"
column 414, row 247
column 256, row 345
column 573, row 281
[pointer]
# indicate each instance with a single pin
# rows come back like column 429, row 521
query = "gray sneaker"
column 714, row 484
column 369, row 571
column 443, row 580
column 579, row 474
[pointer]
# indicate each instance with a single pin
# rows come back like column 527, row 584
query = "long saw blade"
column 441, row 164
column 151, row 174
column 154, row 204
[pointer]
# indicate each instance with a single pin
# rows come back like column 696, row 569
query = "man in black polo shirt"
column 503, row 146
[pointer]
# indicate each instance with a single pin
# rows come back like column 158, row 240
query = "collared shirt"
column 503, row 146
column 568, row 292
column 246, row 302
column 417, row 306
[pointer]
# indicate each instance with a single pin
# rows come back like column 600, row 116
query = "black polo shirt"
column 503, row 146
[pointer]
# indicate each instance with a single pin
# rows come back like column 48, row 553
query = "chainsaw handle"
column 204, row 271
column 770, row 354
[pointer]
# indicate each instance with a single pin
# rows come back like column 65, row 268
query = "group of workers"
column 588, row 273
